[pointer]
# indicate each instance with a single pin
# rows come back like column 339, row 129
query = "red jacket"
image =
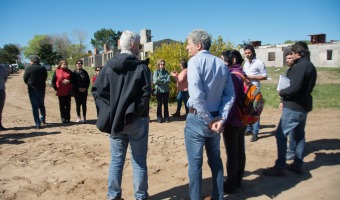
column 58, row 76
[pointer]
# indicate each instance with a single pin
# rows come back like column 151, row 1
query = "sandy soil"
column 71, row 162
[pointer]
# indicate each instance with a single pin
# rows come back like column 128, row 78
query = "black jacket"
column 35, row 77
column 298, row 96
column 122, row 92
column 81, row 79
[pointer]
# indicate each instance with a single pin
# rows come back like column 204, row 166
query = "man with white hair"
column 211, row 92
column 122, row 92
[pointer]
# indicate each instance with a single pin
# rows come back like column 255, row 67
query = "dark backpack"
column 251, row 104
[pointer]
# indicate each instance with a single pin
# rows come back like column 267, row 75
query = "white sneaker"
column 79, row 120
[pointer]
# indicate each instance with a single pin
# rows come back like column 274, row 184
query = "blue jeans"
column 291, row 148
column 182, row 96
column 291, row 122
column 137, row 135
column 198, row 135
column 254, row 128
column 37, row 98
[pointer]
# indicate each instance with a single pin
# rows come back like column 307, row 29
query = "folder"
column 284, row 82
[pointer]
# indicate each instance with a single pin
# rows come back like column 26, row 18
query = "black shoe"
column 159, row 120
column 228, row 189
column 2, row 128
column 254, row 138
column 273, row 171
column 294, row 168
column 167, row 120
column 176, row 114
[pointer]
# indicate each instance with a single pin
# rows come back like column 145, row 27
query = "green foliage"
column 293, row 41
column 53, row 48
column 76, row 51
column 34, row 45
column 105, row 36
column 289, row 42
column 172, row 53
column 47, row 55
column 9, row 53
column 218, row 46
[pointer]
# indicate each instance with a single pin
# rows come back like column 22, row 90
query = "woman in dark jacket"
column 233, row 134
column 62, row 84
column 81, row 83
column 161, row 80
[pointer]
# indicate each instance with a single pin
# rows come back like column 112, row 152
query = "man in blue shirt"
column 211, row 94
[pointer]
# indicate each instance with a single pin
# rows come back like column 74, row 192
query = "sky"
column 269, row 21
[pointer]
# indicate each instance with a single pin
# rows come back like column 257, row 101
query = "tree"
column 79, row 38
column 218, row 46
column 61, row 44
column 48, row 55
column 289, row 42
column 105, row 36
column 35, row 44
column 76, row 51
column 9, row 53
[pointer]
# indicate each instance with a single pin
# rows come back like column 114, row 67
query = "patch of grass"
column 325, row 95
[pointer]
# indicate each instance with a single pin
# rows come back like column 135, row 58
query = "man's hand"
column 66, row 81
column 216, row 125
column 281, row 106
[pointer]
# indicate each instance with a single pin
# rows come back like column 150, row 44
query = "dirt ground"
column 71, row 161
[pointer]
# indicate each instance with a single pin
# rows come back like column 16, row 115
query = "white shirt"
column 255, row 68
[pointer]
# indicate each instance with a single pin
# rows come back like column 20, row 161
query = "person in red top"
column 97, row 70
column 62, row 84
column 182, row 87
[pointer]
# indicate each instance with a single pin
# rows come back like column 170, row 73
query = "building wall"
column 318, row 54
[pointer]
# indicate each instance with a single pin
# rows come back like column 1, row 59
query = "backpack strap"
column 244, row 77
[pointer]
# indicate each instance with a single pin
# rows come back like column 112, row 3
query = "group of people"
column 161, row 81
column 66, row 84
column 210, row 89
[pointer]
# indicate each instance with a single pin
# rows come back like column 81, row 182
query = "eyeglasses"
column 98, row 70
column 79, row 63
